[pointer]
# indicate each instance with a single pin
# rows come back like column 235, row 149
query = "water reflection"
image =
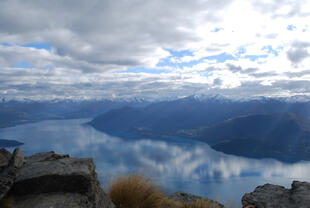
column 178, row 164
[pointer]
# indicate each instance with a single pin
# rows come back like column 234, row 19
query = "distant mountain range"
column 172, row 116
column 255, row 128
column 19, row 112
column 9, row 143
column 283, row 136
column 261, row 127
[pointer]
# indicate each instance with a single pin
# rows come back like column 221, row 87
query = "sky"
column 160, row 49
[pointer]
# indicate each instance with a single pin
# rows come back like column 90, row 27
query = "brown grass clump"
column 170, row 203
column 7, row 202
column 134, row 191
column 201, row 203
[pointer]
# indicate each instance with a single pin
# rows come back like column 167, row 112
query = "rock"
column 45, row 156
column 183, row 197
column 10, row 172
column 52, row 180
column 4, row 156
column 54, row 200
column 17, row 160
column 49, row 180
column 189, row 198
column 272, row 196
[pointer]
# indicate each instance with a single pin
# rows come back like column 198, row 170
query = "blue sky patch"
column 22, row 64
column 180, row 54
column 168, row 63
column 255, row 57
column 30, row 45
column 269, row 49
column 217, row 29
column 6, row 44
column 206, row 74
column 190, row 63
column 221, row 58
column 38, row 46
column 291, row 27
column 240, row 51
column 176, row 54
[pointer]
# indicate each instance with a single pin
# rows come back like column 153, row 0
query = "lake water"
column 175, row 164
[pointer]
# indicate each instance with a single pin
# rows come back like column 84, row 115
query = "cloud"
column 217, row 81
column 298, row 52
column 152, row 49
column 106, row 32
column 298, row 74
column 296, row 55
column 282, row 8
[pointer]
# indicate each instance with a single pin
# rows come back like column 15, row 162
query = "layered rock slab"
column 9, row 170
column 274, row 196
column 52, row 180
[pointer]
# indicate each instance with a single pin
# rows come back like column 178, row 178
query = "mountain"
column 18, row 112
column 9, row 143
column 10, row 116
column 236, row 127
column 282, row 136
column 170, row 117
column 254, row 127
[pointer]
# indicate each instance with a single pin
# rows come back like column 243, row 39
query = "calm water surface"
column 176, row 164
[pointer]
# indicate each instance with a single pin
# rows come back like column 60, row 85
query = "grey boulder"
column 9, row 171
column 273, row 196
column 58, row 181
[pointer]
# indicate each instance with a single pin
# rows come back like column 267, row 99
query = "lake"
column 176, row 164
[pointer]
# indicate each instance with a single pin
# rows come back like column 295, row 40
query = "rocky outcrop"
column 53, row 180
column 186, row 198
column 273, row 196
column 9, row 171
column 4, row 156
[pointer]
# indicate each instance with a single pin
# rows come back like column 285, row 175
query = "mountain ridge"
column 189, row 117
column 282, row 136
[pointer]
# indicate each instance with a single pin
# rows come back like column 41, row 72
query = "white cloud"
column 92, row 42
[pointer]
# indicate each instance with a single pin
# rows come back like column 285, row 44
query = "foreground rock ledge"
column 273, row 196
column 52, row 180
column 189, row 198
column 49, row 180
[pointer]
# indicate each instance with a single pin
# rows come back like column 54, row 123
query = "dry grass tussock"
column 169, row 203
column 135, row 191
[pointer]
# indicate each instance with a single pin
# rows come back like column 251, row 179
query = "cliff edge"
column 50, row 180
column 272, row 196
